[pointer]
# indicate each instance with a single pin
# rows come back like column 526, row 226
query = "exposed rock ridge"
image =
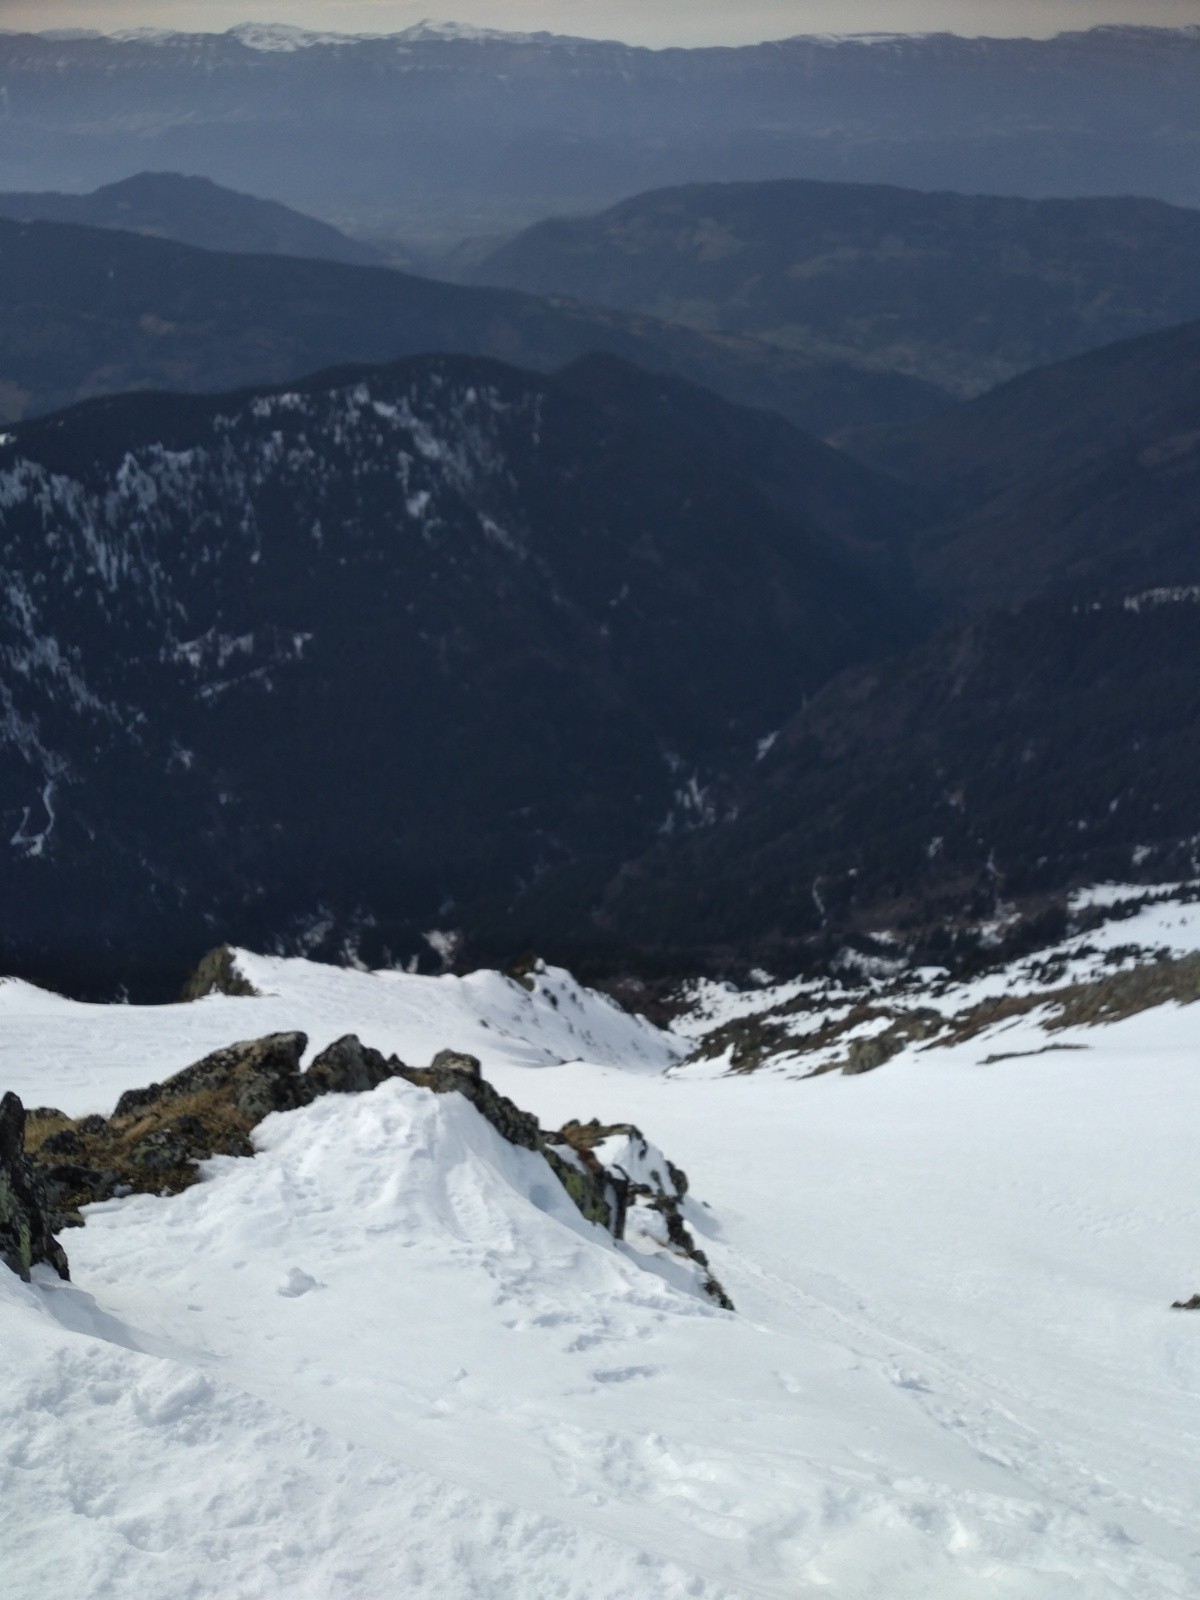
column 157, row 1136
column 648, row 1189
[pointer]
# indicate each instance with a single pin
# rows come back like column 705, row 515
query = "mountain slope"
column 1020, row 756
column 340, row 661
column 195, row 211
column 375, row 1357
column 1073, row 480
column 89, row 311
column 961, row 290
column 428, row 135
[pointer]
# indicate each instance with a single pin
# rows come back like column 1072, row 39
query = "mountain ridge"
column 330, row 663
column 961, row 290
column 590, row 122
column 193, row 211
column 88, row 311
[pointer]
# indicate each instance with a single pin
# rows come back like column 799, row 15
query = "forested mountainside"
column 337, row 664
column 984, row 772
column 1048, row 743
column 196, row 211
column 961, row 290
column 1078, row 479
column 92, row 311
column 433, row 134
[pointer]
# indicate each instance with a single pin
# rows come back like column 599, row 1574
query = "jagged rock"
column 347, row 1067
column 647, row 1189
column 217, row 973
column 25, row 1234
column 1187, row 1305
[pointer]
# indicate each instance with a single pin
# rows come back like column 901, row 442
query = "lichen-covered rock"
column 594, row 1193
column 26, row 1238
column 157, row 1136
column 260, row 1076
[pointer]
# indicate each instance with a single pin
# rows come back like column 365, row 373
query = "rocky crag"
column 157, row 1137
column 26, row 1239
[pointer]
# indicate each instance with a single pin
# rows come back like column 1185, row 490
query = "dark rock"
column 1187, row 1305
column 68, row 1187
column 217, row 973
column 347, row 1067
column 162, row 1151
column 64, row 1143
column 25, row 1235
column 92, row 1124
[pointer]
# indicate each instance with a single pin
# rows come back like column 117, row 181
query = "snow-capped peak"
column 431, row 30
column 284, row 38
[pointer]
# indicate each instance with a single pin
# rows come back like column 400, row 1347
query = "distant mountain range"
column 963, row 291
column 93, row 311
column 435, row 136
column 196, row 211
column 342, row 664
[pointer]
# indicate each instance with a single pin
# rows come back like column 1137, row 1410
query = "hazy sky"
column 654, row 22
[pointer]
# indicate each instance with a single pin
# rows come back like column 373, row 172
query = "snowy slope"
column 385, row 1358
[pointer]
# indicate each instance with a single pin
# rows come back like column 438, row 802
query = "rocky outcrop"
column 647, row 1190
column 26, row 1238
column 217, row 973
column 258, row 1077
column 157, row 1137
column 1187, row 1305
column 346, row 1067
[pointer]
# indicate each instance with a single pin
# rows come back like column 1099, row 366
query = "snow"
column 388, row 1357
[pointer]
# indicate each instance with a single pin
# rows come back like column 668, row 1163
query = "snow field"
column 388, row 1357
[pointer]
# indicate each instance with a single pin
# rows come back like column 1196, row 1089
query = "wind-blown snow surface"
column 387, row 1358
